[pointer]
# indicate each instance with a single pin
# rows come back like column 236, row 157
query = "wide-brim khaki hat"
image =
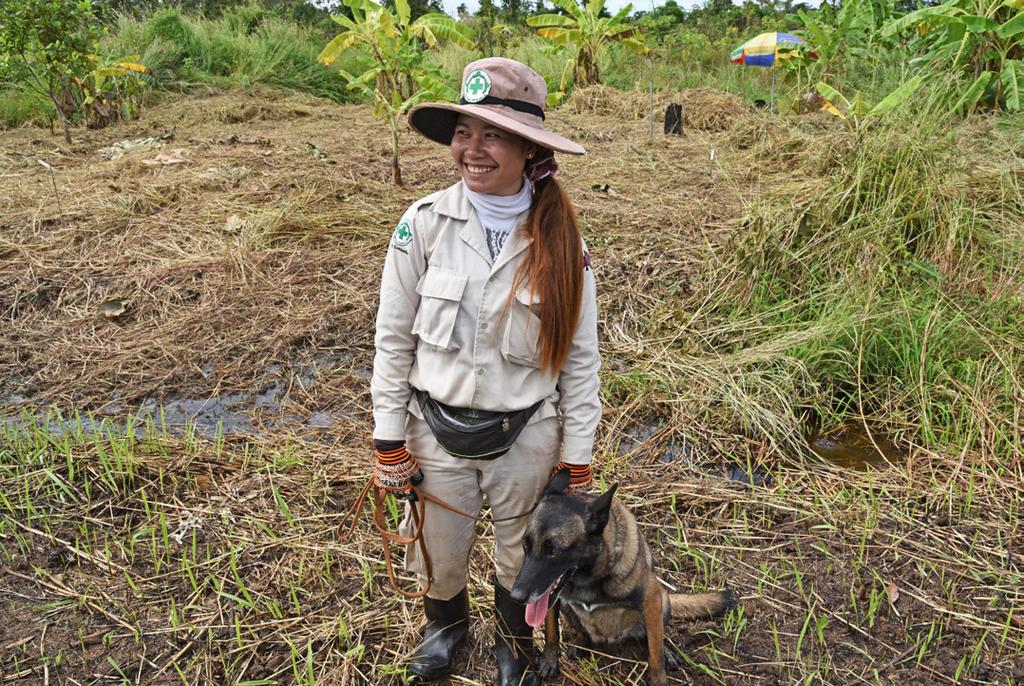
column 502, row 92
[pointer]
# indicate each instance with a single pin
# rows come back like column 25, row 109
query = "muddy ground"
column 221, row 271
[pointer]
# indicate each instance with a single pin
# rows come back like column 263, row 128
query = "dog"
column 585, row 556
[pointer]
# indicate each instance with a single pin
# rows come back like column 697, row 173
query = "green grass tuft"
column 19, row 107
column 238, row 49
column 906, row 266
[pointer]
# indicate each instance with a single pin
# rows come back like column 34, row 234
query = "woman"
column 485, row 374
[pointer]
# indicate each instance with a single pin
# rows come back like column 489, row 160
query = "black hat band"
column 518, row 105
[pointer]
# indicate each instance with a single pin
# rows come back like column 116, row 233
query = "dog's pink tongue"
column 536, row 611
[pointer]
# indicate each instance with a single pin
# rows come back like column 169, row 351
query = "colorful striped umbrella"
column 762, row 50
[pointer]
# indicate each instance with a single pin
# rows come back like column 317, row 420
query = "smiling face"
column 490, row 159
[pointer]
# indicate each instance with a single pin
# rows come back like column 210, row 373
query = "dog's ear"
column 557, row 484
column 599, row 509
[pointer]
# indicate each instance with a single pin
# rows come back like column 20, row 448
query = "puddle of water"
column 636, row 435
column 59, row 427
column 226, row 414
column 320, row 420
column 682, row 450
column 210, row 418
column 678, row 449
column 246, row 415
column 853, row 447
column 756, row 477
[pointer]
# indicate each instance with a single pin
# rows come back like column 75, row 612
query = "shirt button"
column 484, row 326
column 480, row 372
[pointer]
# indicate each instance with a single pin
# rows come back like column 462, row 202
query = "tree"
column 54, row 42
column 718, row 6
column 672, row 9
column 512, row 11
column 399, row 77
column 487, row 8
column 588, row 32
column 660, row 21
column 833, row 36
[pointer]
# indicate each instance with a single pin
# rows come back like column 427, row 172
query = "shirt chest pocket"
column 520, row 340
column 440, row 293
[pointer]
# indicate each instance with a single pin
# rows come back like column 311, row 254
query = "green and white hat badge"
column 476, row 86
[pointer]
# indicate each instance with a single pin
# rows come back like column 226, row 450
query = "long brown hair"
column 553, row 270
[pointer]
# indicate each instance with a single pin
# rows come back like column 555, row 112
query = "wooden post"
column 651, row 84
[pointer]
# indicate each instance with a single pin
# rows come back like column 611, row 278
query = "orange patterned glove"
column 394, row 469
column 581, row 477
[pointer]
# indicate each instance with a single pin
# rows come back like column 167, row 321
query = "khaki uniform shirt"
column 440, row 329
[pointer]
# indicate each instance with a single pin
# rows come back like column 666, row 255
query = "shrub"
column 54, row 41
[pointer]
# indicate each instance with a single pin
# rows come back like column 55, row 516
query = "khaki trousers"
column 512, row 483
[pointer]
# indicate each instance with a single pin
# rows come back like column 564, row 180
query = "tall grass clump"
column 668, row 69
column 904, row 267
column 242, row 47
column 21, row 105
column 245, row 46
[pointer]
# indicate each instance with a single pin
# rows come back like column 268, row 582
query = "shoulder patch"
column 402, row 235
column 586, row 260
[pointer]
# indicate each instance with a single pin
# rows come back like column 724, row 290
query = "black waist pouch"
column 473, row 434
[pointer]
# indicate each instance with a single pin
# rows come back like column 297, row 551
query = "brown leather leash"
column 418, row 501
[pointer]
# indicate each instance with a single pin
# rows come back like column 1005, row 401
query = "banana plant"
column 587, row 33
column 110, row 91
column 980, row 42
column 857, row 110
column 399, row 77
column 834, row 35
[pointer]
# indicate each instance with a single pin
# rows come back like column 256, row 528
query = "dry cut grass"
column 248, row 271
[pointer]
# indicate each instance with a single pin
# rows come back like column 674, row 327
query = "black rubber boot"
column 447, row 622
column 513, row 641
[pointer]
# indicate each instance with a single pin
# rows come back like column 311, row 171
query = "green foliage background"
column 226, row 44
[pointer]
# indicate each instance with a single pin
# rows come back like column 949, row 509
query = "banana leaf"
column 973, row 94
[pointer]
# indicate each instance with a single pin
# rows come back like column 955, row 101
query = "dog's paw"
column 730, row 599
column 548, row 665
column 657, row 680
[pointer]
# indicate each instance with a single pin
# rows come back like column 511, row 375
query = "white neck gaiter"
column 498, row 213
